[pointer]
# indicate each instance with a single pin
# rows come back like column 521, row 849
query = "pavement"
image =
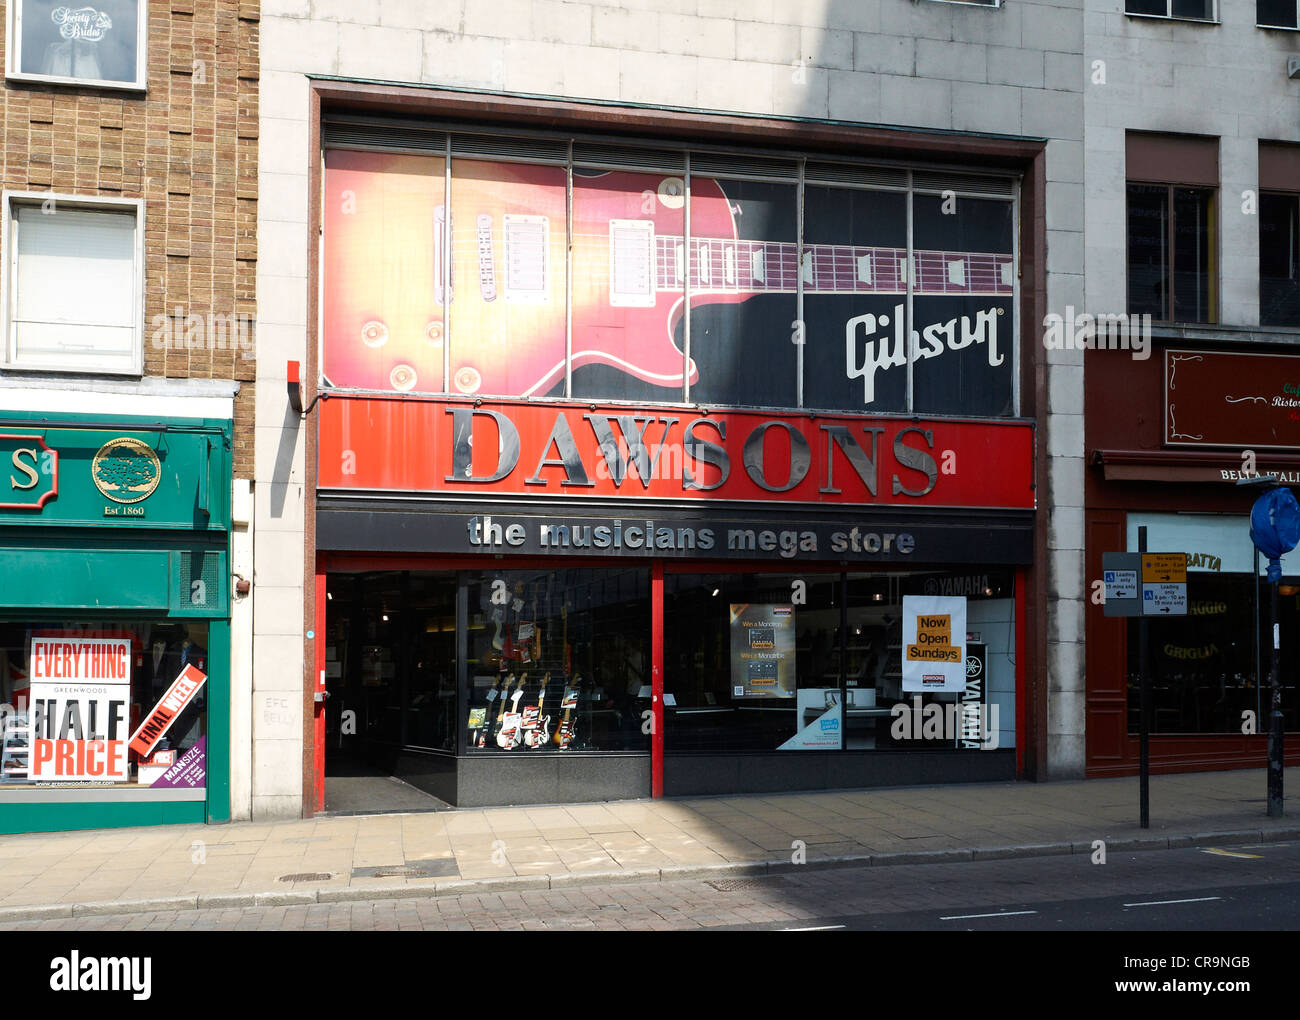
column 355, row 858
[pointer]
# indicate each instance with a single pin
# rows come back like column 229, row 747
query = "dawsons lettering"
column 544, row 448
column 633, row 445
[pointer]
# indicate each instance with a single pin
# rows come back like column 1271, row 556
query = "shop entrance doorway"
column 390, row 676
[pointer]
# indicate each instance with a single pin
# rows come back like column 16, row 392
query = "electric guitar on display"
column 539, row 733
column 484, row 737
column 568, row 730
column 511, row 733
column 386, row 305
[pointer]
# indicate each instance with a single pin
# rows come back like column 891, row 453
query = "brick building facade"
column 130, row 159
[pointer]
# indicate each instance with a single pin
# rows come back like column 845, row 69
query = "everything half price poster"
column 81, row 709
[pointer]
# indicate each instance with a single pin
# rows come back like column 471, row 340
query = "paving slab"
column 44, row 877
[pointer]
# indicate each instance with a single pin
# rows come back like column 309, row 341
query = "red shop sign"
column 577, row 450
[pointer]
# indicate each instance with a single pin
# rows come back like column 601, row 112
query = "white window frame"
column 13, row 56
column 10, row 201
column 993, row 4
column 1168, row 16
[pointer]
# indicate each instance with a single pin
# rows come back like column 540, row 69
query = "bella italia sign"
column 173, row 475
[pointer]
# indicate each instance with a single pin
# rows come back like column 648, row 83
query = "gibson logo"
column 886, row 351
column 84, row 23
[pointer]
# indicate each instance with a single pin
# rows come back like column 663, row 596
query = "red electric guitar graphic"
column 385, row 299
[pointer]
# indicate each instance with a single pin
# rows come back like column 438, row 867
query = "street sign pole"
column 1276, row 729
column 1275, row 531
column 1141, row 584
column 1144, row 722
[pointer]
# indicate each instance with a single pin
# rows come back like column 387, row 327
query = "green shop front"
column 114, row 621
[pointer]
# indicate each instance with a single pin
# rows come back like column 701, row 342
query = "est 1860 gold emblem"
column 126, row 470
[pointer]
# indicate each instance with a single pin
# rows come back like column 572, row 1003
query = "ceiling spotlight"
column 715, row 592
column 385, row 618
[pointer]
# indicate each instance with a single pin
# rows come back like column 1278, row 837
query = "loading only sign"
column 1164, row 584
column 1145, row 584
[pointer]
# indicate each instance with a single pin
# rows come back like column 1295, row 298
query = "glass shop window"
column 120, row 704
column 559, row 661
column 1206, row 668
column 761, row 662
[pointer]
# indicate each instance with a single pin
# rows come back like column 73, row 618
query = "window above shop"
column 73, row 287
column 1173, row 227
column 1277, row 14
column 102, row 45
column 1279, row 235
column 1178, row 10
column 570, row 263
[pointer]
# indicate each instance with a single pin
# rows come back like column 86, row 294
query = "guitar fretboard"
column 776, row 267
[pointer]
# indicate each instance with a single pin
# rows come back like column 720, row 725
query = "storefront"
column 630, row 460
column 114, row 621
column 1168, row 440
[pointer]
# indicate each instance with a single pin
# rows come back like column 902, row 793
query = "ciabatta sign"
column 539, row 449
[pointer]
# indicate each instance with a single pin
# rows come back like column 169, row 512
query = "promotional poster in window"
column 498, row 323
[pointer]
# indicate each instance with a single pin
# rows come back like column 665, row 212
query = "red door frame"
column 657, row 678
column 318, row 718
column 1022, row 650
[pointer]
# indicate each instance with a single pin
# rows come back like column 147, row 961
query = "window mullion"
column 568, row 274
column 803, row 333
column 686, row 281
column 1171, row 235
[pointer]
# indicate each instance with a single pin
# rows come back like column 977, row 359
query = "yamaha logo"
column 973, row 666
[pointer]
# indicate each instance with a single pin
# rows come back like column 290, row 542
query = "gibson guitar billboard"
column 607, row 290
